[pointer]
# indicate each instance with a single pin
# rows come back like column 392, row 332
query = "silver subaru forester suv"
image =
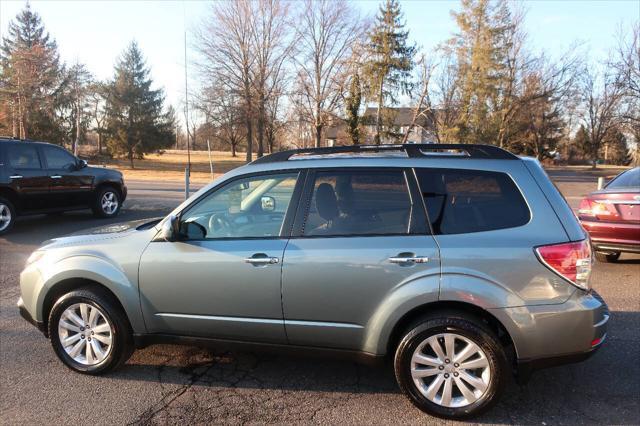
column 460, row 263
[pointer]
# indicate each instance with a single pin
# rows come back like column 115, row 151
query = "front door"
column 222, row 279
column 364, row 234
column 69, row 185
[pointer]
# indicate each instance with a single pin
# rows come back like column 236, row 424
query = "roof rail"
column 491, row 152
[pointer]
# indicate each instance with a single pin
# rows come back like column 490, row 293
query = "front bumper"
column 27, row 316
column 550, row 335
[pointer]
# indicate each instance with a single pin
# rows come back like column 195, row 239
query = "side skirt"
column 366, row 358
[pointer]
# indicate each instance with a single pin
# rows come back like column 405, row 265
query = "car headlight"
column 35, row 256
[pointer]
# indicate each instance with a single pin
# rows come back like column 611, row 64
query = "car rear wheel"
column 7, row 215
column 107, row 202
column 608, row 257
column 89, row 332
column 450, row 366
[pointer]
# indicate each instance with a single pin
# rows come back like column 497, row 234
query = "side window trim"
column 304, row 206
column 284, row 234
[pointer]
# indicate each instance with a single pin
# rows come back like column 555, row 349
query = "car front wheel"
column 89, row 332
column 450, row 366
column 107, row 202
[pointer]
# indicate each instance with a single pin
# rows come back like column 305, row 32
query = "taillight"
column 598, row 209
column 572, row 261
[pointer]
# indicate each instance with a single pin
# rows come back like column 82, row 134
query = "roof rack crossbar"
column 413, row 150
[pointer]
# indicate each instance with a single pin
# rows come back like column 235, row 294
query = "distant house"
column 401, row 118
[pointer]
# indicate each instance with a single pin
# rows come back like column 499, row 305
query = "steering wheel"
column 219, row 222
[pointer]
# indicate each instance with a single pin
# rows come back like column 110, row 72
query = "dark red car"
column 612, row 216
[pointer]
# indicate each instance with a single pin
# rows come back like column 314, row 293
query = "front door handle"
column 56, row 177
column 400, row 259
column 261, row 259
column 15, row 177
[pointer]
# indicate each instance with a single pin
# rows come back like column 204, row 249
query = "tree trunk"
column 260, row 129
column 233, row 149
column 130, row 155
column 318, row 135
column 249, row 139
column 99, row 142
column 378, row 113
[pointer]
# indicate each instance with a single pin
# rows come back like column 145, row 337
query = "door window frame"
column 419, row 225
column 287, row 223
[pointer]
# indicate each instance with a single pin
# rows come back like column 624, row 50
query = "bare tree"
column 423, row 106
column 222, row 112
column 272, row 43
column 224, row 42
column 601, row 98
column 328, row 30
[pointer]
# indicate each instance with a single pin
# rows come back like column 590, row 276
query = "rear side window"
column 463, row 201
column 24, row 156
column 363, row 202
column 628, row 179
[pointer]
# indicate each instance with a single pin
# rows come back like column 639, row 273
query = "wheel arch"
column 108, row 184
column 70, row 284
column 12, row 196
column 449, row 308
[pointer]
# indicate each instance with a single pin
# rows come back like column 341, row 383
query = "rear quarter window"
column 463, row 201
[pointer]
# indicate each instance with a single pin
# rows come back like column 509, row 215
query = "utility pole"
column 187, row 172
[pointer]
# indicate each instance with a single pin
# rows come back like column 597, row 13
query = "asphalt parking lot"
column 177, row 384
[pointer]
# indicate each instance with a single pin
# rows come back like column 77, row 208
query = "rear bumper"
column 549, row 335
column 606, row 236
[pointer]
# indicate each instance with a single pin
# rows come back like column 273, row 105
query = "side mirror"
column 193, row 231
column 169, row 230
column 267, row 203
column 82, row 164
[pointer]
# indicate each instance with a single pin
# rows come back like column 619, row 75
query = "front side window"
column 58, row 158
column 253, row 207
column 24, row 156
column 464, row 201
column 346, row 203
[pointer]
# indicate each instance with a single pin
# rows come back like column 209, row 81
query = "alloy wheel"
column 450, row 370
column 85, row 333
column 109, row 202
column 5, row 216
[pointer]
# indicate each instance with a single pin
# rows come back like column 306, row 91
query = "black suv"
column 38, row 177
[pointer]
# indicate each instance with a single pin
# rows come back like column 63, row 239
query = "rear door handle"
column 408, row 259
column 15, row 177
column 261, row 259
column 56, row 177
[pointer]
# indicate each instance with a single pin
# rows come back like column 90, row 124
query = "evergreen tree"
column 137, row 122
column 481, row 45
column 352, row 103
column 390, row 59
column 31, row 79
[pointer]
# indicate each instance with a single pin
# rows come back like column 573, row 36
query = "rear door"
column 27, row 176
column 68, row 184
column 359, row 233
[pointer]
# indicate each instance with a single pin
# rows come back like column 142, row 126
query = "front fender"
column 96, row 269
column 398, row 302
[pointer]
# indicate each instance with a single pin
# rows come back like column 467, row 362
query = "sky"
column 96, row 32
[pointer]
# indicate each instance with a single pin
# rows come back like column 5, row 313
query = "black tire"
column 607, row 257
column 11, row 218
column 121, row 334
column 97, row 207
column 469, row 328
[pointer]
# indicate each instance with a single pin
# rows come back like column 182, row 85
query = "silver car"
column 460, row 263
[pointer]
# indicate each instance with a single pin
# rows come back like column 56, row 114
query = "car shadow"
column 602, row 389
